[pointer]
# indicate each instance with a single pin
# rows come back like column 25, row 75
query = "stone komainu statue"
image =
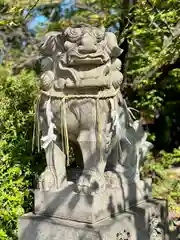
column 81, row 102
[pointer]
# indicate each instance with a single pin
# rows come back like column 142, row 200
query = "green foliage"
column 167, row 182
column 17, row 95
column 96, row 12
column 154, row 41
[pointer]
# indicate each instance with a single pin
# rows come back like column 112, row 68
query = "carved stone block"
column 67, row 204
column 130, row 225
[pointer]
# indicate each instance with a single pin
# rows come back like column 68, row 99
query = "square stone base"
column 67, row 204
column 143, row 222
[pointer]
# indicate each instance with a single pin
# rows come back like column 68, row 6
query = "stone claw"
column 90, row 183
column 47, row 180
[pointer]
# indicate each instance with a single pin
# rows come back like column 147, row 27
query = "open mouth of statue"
column 87, row 70
column 78, row 59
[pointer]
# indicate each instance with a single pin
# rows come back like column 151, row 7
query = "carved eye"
column 72, row 34
column 100, row 34
column 48, row 46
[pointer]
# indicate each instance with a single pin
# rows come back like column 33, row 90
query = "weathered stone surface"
column 67, row 204
column 132, row 225
column 81, row 101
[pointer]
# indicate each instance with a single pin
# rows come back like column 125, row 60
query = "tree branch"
column 82, row 6
column 165, row 69
column 35, row 4
column 31, row 63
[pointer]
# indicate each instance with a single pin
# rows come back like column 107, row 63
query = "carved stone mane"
column 81, row 58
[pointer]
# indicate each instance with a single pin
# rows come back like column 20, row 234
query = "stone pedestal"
column 67, row 204
column 142, row 222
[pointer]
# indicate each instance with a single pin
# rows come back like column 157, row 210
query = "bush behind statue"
column 17, row 95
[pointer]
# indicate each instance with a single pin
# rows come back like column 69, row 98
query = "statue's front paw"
column 47, row 180
column 90, row 182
